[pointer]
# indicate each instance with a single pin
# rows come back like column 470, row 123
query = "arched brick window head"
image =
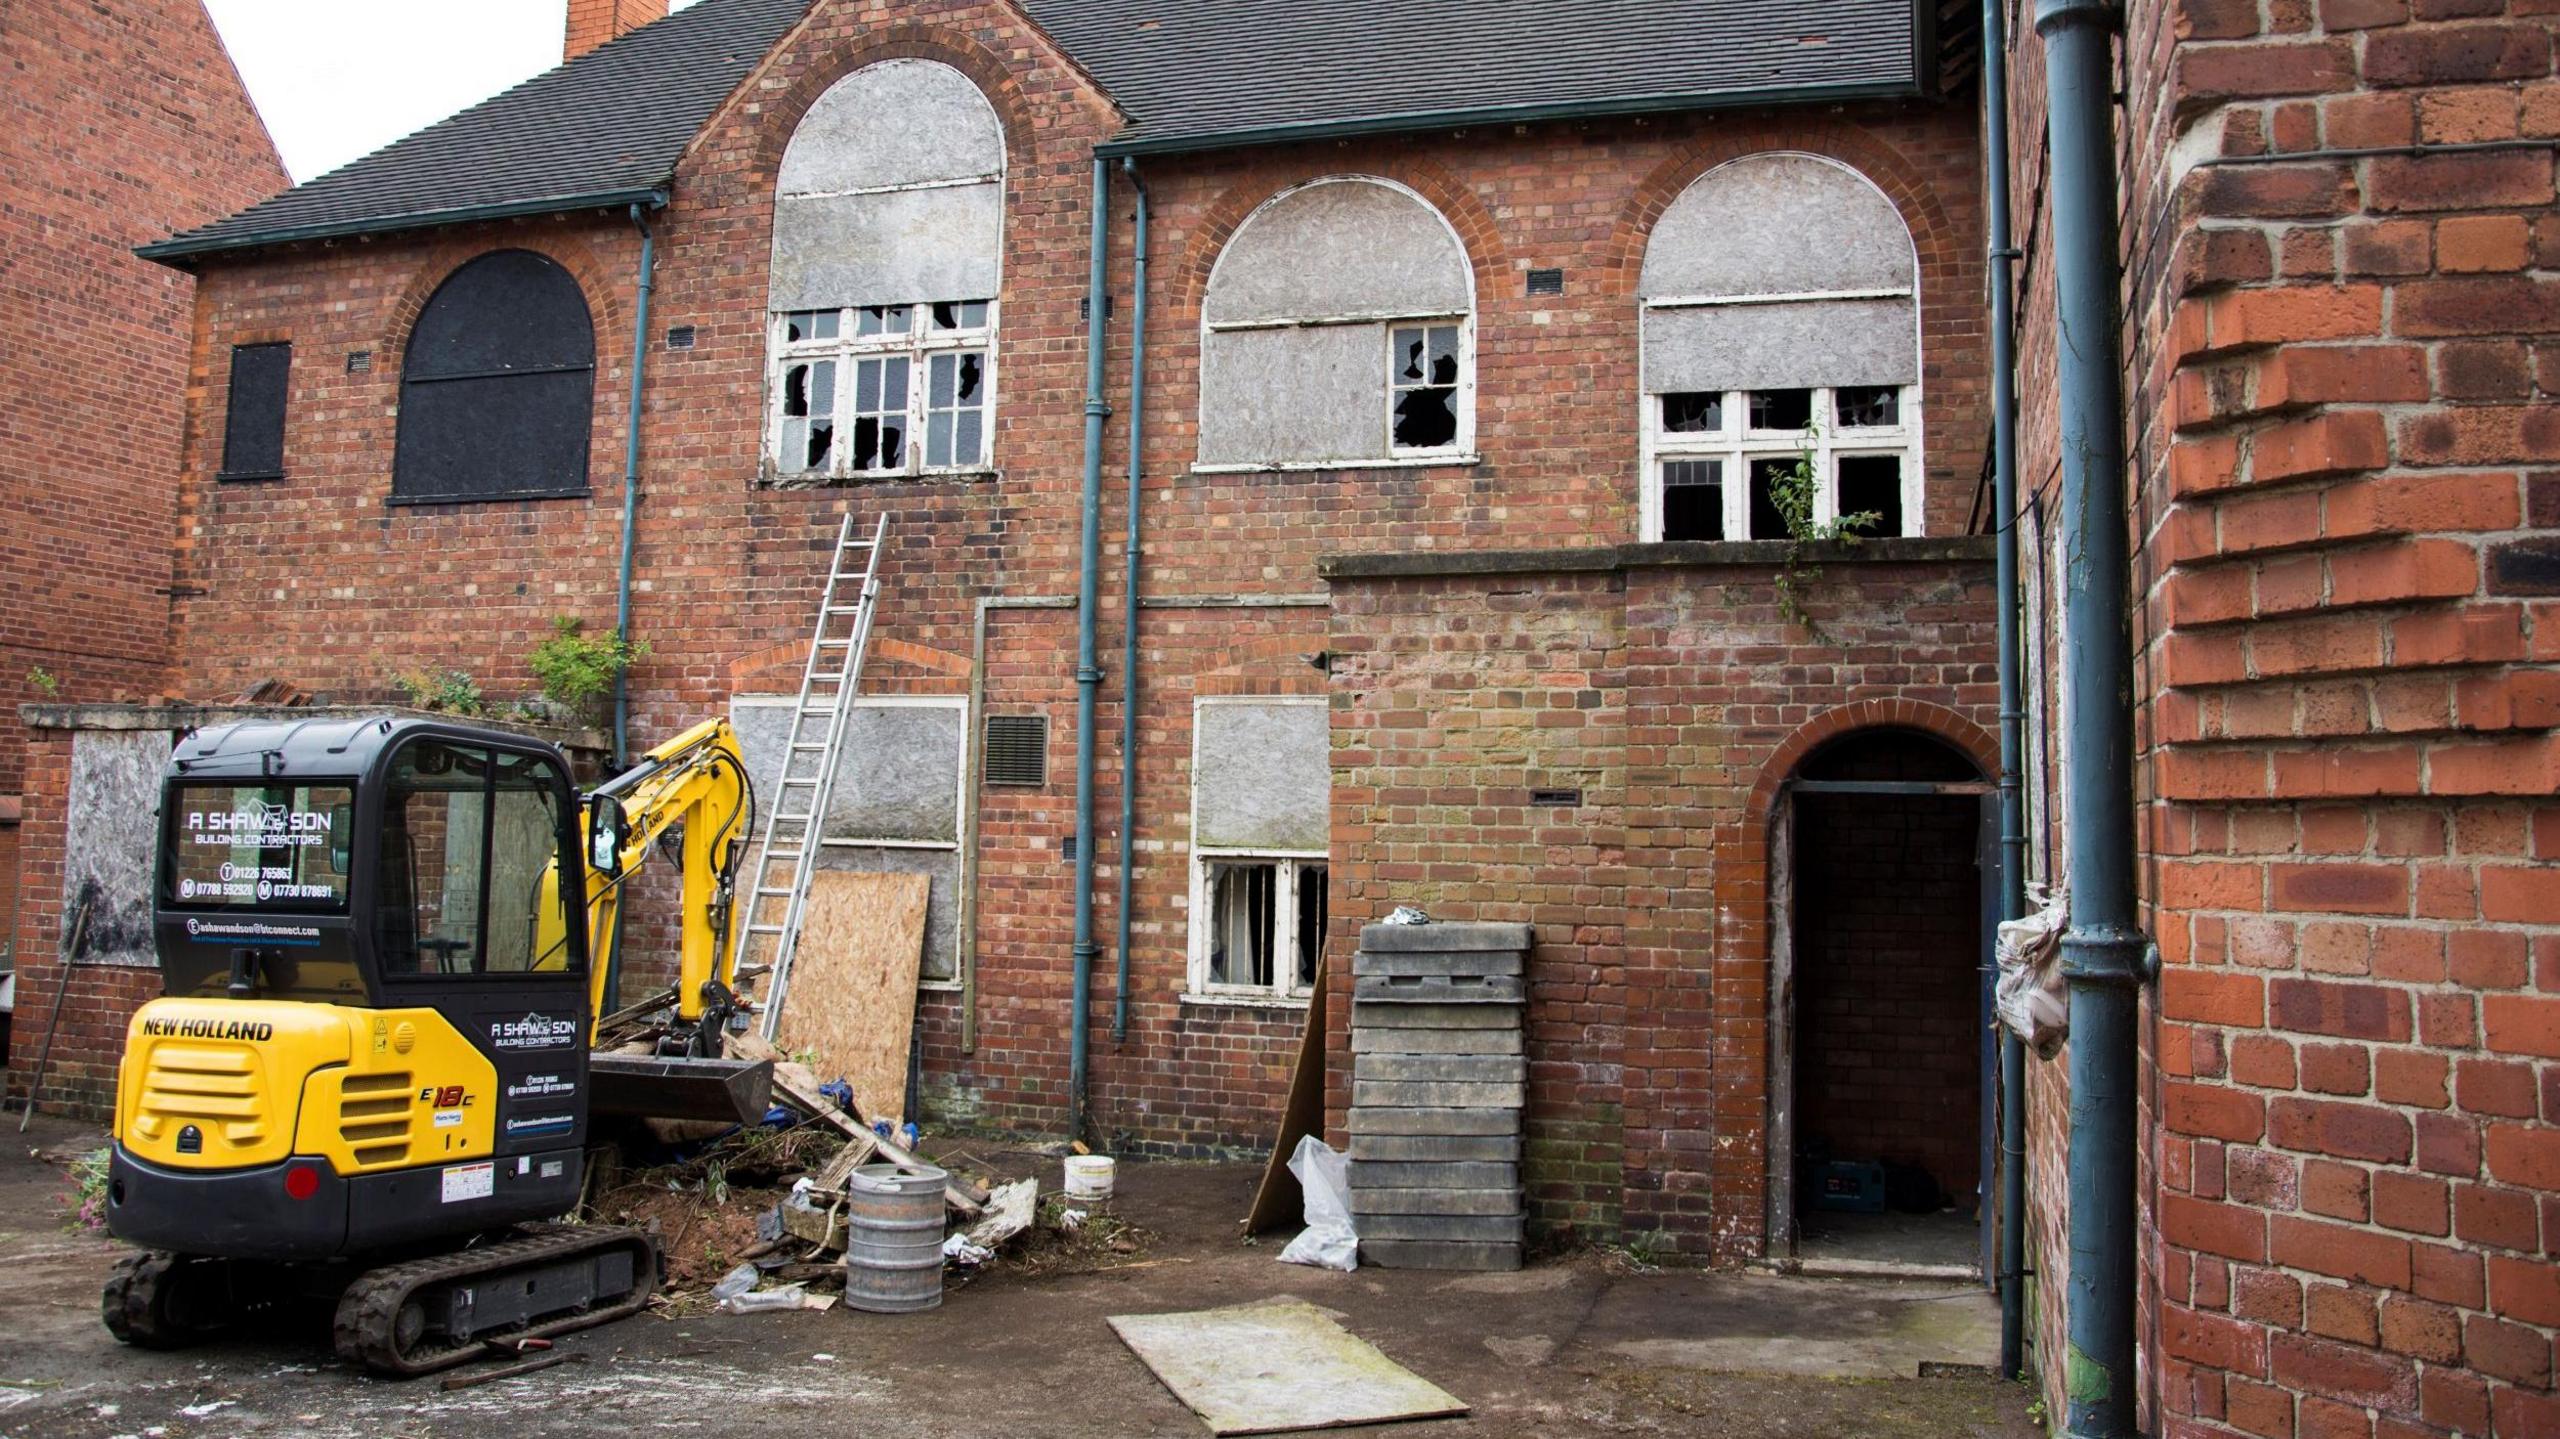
column 497, row 389
column 1781, row 344
column 888, row 220
column 1338, row 329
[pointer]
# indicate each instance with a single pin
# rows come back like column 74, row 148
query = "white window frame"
column 1736, row 445
column 1284, row 987
column 1461, row 449
column 917, row 346
column 786, row 703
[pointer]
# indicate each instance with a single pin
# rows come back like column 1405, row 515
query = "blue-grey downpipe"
column 630, row 520
column 631, row 481
column 2013, row 829
column 1088, row 669
column 2102, row 950
column 1129, row 599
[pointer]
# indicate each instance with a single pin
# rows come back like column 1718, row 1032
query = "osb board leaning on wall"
column 851, row 999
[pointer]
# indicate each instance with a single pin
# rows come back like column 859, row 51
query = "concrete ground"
column 1589, row 1345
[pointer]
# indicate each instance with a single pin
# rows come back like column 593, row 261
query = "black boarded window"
column 253, row 423
column 497, row 389
column 1423, row 371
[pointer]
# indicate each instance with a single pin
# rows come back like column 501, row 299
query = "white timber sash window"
column 1338, row 331
column 1781, row 330
column 887, row 249
column 1261, row 787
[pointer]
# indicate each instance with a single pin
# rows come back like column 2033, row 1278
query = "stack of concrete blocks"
column 1437, row 1080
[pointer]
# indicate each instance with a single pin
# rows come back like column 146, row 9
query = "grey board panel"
column 1428, row 1254
column 1390, row 1174
column 1434, row 1201
column 1388, row 1119
column 1437, row 989
column 1435, row 1148
column 1436, row 1094
column 1461, row 1068
column 1445, row 1228
column 1396, row 1014
column 1442, row 961
column 1388, row 1039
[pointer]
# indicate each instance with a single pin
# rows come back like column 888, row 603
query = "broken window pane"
column 808, row 407
column 880, row 413
column 959, row 315
column 1693, row 412
column 1693, row 500
column 955, row 400
column 1311, row 918
column 800, row 325
column 1767, row 523
column 1872, row 485
column 1243, row 907
column 884, row 320
column 1423, row 371
column 1868, row 407
column 1781, row 409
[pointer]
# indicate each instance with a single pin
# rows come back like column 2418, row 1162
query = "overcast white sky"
column 338, row 79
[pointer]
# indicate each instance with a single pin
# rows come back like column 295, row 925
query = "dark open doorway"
column 1878, row 1058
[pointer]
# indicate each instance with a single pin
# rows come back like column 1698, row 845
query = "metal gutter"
column 1129, row 602
column 1088, row 669
column 172, row 250
column 2103, row 950
column 1467, row 117
column 2013, row 833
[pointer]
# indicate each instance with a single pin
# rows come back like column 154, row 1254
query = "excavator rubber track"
column 533, row 1282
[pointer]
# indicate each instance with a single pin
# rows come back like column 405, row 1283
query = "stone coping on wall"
column 1418, row 564
column 194, row 716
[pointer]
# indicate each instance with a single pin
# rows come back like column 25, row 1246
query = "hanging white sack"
column 2033, row 1000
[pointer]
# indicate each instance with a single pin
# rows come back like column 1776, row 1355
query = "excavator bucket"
column 648, row 1086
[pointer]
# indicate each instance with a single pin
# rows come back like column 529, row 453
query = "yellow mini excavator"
column 370, row 1078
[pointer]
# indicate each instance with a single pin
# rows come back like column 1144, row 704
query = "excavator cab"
column 377, row 1004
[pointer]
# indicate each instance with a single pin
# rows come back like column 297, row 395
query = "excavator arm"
column 697, row 780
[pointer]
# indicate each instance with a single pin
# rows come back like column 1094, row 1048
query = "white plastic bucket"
column 1089, row 1177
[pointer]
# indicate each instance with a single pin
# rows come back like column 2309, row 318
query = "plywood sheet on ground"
column 1277, row 1366
column 851, row 997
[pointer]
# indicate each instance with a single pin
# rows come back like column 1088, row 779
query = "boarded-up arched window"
column 1338, row 329
column 497, row 389
column 887, row 253
column 1781, row 331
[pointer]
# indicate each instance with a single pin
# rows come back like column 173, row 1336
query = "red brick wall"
column 316, row 579
column 2343, row 375
column 1677, row 698
column 123, row 123
column 1889, row 984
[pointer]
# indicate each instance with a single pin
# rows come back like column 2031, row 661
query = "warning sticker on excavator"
column 470, row 1181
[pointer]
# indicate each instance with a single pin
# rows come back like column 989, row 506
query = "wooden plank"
column 852, row 1002
column 1278, row 1200
column 958, row 1193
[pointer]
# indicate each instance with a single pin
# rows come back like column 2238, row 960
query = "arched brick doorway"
column 1879, row 1057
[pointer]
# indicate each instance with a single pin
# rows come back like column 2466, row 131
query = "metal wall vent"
column 1018, row 749
column 1546, row 282
column 359, row 362
column 680, row 337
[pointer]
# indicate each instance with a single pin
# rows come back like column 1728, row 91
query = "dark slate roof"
column 1200, row 74
column 604, row 129
column 608, row 127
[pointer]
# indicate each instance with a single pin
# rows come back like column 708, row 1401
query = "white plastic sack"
column 1325, row 1177
column 2033, row 1000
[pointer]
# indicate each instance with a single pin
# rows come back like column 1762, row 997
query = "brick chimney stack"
column 593, row 22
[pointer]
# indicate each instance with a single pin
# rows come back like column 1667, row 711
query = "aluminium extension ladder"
column 828, row 682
